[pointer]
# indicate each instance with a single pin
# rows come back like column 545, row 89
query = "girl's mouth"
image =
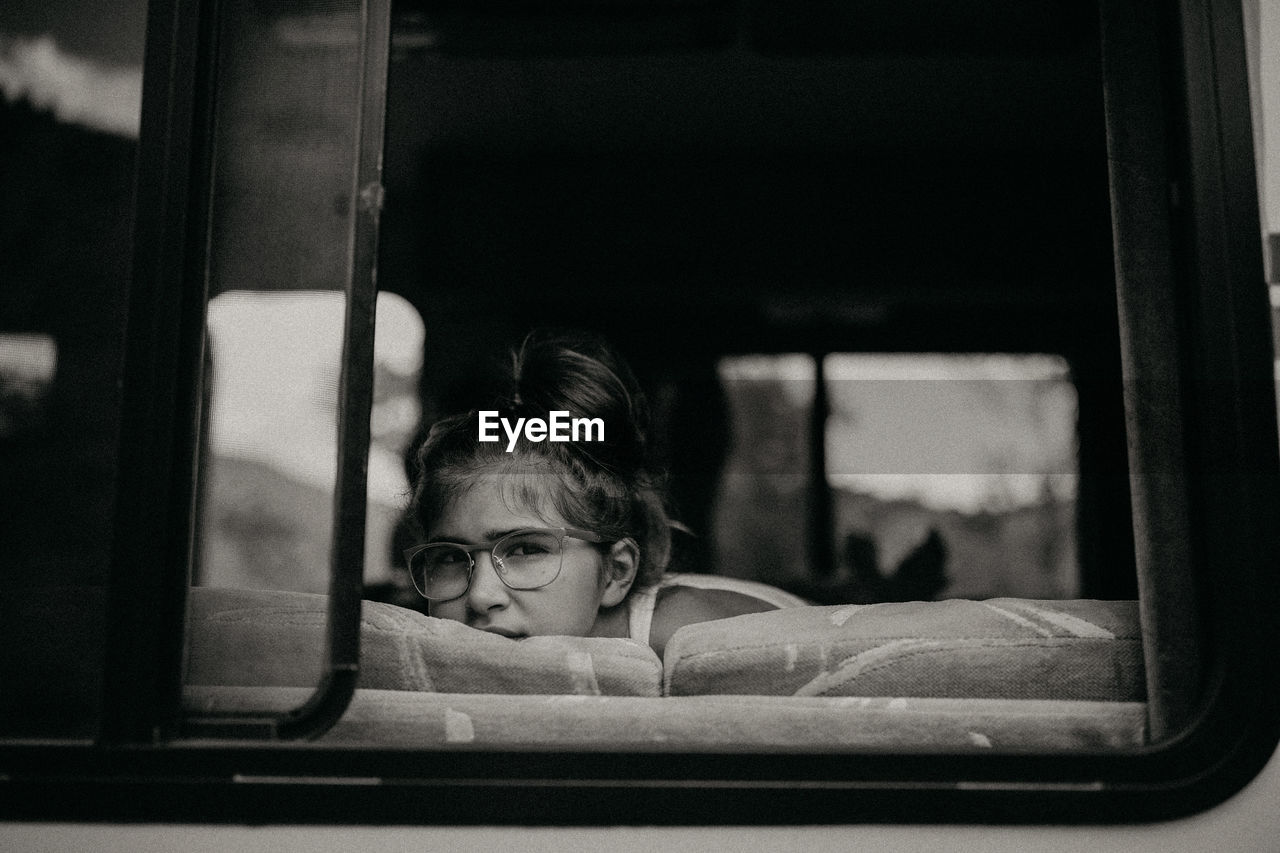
column 503, row 632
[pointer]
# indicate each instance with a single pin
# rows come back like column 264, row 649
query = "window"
column 67, row 166
column 966, row 461
column 27, row 367
column 656, row 178
column 269, row 466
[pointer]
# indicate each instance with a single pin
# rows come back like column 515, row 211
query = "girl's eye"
column 530, row 545
column 526, row 549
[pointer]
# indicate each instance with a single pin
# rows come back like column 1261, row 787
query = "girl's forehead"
column 500, row 502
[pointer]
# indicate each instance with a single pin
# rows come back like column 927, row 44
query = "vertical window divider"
column 355, row 396
column 331, row 697
column 1151, row 344
column 160, row 397
column 821, row 524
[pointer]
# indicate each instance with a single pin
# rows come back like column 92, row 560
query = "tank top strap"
column 640, row 605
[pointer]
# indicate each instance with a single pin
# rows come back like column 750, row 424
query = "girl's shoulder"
column 683, row 599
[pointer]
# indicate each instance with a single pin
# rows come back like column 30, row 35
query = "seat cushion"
column 1003, row 648
column 400, row 719
column 269, row 638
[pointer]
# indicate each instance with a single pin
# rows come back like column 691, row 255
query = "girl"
column 527, row 535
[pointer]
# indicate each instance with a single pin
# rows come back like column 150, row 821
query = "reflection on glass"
column 959, row 469
column 1262, row 43
column 28, row 363
column 759, row 518
column 282, row 217
column 286, row 146
column 968, row 461
column 272, row 437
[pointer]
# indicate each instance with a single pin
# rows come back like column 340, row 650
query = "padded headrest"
column 1004, row 648
column 255, row 638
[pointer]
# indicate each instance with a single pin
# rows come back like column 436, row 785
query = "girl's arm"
column 683, row 605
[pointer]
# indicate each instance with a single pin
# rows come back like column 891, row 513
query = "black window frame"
column 1184, row 197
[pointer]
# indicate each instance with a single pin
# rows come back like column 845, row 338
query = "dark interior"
column 697, row 179
column 692, row 179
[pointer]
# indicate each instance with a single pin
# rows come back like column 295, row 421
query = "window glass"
column 1262, row 30
column 281, row 212
column 1262, row 46
column 949, row 476
column 283, row 244
column 69, row 111
column 762, row 500
column 28, row 363
column 967, row 461
column 272, row 438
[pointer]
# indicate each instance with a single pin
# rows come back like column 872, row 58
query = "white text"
column 559, row 428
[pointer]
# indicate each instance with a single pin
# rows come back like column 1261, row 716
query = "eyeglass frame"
column 564, row 533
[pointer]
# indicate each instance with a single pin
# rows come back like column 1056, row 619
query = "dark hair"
column 608, row 487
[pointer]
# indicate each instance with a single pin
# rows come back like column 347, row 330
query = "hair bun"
column 579, row 372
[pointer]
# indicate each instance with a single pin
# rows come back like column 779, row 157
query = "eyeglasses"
column 524, row 559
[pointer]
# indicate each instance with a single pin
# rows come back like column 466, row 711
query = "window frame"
column 143, row 766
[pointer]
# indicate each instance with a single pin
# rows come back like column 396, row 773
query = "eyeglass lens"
column 523, row 560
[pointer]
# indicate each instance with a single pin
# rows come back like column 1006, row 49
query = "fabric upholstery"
column 733, row 723
column 270, row 638
column 1002, row 648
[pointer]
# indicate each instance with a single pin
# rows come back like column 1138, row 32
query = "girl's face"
column 567, row 606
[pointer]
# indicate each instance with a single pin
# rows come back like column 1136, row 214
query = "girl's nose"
column 487, row 591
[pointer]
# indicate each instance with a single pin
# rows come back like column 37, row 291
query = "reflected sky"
column 276, row 361
column 952, row 431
